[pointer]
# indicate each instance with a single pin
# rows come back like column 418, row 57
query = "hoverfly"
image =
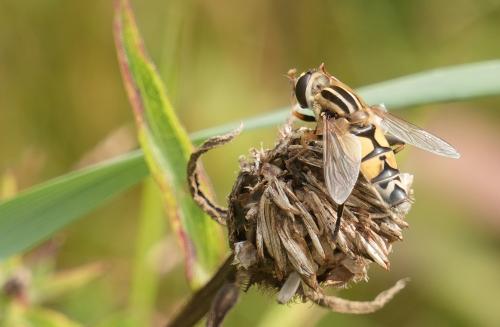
column 357, row 138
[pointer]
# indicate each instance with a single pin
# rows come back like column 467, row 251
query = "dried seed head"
column 281, row 222
column 280, row 210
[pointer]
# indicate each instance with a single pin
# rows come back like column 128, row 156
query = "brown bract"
column 280, row 222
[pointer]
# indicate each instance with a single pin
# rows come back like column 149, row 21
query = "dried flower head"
column 281, row 223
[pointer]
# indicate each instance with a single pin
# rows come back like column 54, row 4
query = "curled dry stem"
column 218, row 213
column 355, row 307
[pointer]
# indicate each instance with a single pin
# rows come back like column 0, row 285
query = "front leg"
column 306, row 138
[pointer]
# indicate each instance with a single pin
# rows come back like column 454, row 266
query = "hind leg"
column 396, row 144
column 340, row 213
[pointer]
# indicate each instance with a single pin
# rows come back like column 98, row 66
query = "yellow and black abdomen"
column 379, row 165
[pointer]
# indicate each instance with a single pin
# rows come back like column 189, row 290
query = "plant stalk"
column 199, row 304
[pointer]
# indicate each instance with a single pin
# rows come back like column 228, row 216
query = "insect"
column 357, row 138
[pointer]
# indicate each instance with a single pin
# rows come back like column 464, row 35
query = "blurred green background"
column 61, row 95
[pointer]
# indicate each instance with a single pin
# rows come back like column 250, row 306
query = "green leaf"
column 167, row 148
column 39, row 212
column 456, row 83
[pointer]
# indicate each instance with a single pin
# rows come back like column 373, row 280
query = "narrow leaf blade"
column 455, row 83
column 167, row 148
column 34, row 215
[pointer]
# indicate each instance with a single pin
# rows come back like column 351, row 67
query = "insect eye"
column 300, row 89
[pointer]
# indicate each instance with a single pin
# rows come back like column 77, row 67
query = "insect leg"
column 395, row 143
column 306, row 138
column 340, row 212
column 398, row 147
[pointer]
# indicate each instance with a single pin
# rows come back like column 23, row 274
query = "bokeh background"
column 61, row 95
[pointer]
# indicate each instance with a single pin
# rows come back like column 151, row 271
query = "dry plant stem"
column 217, row 213
column 356, row 307
column 224, row 300
column 200, row 303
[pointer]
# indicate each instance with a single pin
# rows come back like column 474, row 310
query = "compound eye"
column 301, row 88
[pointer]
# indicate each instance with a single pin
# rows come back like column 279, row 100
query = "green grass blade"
column 455, row 83
column 37, row 213
column 167, row 148
column 276, row 117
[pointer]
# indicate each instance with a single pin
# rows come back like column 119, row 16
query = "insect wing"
column 342, row 160
column 414, row 135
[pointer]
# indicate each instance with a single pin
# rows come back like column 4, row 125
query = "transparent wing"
column 342, row 159
column 414, row 135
